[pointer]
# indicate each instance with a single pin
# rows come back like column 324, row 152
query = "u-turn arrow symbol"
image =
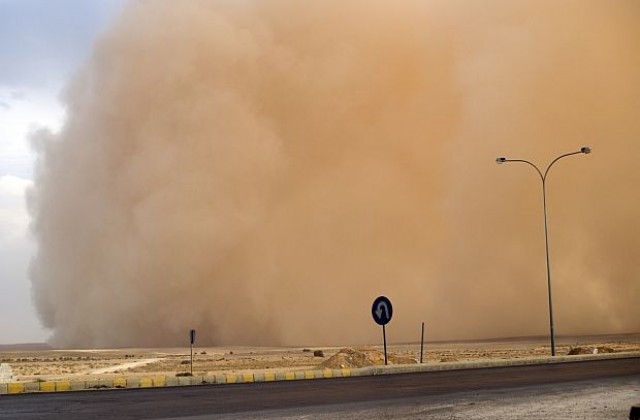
column 382, row 311
column 379, row 310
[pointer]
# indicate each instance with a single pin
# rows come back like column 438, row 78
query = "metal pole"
column 422, row 343
column 546, row 245
column 584, row 150
column 191, row 359
column 384, row 339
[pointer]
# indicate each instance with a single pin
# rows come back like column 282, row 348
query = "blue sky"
column 42, row 44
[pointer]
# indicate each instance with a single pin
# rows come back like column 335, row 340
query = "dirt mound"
column 589, row 350
column 357, row 358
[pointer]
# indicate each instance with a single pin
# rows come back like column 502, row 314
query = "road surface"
column 211, row 400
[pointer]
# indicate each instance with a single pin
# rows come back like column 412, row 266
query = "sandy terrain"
column 46, row 364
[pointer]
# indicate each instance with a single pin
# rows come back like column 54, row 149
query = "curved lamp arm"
column 505, row 160
column 583, row 150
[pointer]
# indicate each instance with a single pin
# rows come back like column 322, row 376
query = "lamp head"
column 586, row 150
column 502, row 160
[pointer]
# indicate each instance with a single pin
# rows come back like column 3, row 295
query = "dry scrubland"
column 30, row 365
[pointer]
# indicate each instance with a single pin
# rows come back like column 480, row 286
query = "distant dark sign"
column 382, row 310
column 192, row 336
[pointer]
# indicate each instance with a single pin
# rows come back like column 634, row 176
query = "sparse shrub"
column 184, row 362
column 203, row 352
column 318, row 353
column 184, row 374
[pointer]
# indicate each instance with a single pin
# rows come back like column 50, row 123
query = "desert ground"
column 40, row 363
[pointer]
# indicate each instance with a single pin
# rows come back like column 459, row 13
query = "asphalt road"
column 597, row 399
column 237, row 398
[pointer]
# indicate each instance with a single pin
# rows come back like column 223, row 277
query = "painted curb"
column 250, row 377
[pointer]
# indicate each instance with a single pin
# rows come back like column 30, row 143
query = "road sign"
column 382, row 310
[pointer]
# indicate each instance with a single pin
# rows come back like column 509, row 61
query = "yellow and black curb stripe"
column 162, row 381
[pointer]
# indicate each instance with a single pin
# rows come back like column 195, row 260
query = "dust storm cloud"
column 262, row 170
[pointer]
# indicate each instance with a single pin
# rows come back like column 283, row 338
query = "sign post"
column 422, row 343
column 192, row 338
column 382, row 311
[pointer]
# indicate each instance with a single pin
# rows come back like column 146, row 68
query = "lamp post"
column 543, row 176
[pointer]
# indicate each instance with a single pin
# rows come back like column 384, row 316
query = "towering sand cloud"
column 261, row 170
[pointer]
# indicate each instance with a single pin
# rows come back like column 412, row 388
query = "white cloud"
column 13, row 185
column 23, row 111
column 14, row 220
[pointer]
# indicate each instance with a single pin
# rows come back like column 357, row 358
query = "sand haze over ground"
column 262, row 170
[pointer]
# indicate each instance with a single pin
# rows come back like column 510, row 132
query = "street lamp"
column 584, row 150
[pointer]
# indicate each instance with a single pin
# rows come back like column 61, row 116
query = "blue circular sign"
column 382, row 311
